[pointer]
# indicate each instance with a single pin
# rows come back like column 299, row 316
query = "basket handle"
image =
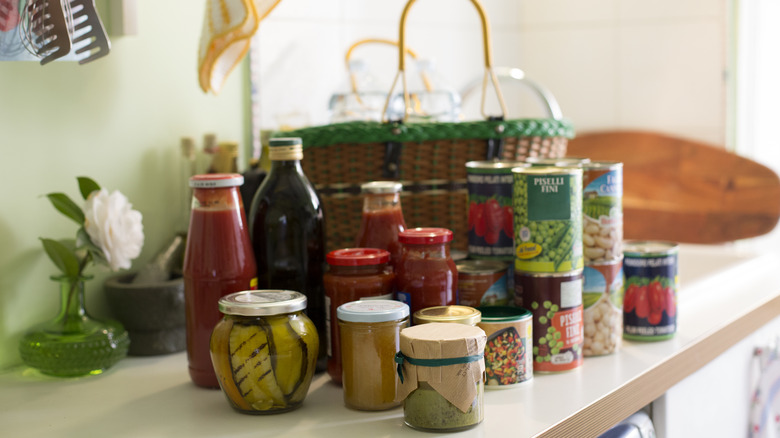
column 353, row 80
column 489, row 72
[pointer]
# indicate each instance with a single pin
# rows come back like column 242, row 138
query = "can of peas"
column 547, row 204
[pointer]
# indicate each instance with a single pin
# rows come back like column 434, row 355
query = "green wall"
column 118, row 120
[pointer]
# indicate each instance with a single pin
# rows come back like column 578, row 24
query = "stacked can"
column 547, row 203
column 491, row 234
column 602, row 216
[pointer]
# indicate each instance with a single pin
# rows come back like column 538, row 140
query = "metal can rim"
column 649, row 248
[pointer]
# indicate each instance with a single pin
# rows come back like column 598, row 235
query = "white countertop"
column 723, row 290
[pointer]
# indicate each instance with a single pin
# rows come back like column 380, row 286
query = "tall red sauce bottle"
column 383, row 218
column 218, row 261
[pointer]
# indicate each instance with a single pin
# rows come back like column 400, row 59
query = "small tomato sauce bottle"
column 427, row 276
column 382, row 218
column 218, row 260
column 354, row 274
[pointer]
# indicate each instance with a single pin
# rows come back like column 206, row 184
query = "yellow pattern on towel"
column 228, row 27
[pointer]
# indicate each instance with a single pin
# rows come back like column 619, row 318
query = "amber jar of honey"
column 370, row 333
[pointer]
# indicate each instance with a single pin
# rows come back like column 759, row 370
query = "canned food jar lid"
column 480, row 266
column 503, row 314
column 455, row 313
column 357, row 257
column 560, row 161
column 496, row 165
column 262, row 302
column 648, row 248
column 216, row 180
column 381, row 187
column 372, row 311
column 551, row 170
column 285, row 141
column 425, row 236
column 596, row 165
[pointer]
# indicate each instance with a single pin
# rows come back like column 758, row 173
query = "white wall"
column 611, row 63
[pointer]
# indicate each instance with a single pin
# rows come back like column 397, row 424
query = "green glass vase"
column 73, row 343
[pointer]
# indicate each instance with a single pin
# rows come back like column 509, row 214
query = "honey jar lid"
column 451, row 314
column 262, row 302
column 372, row 311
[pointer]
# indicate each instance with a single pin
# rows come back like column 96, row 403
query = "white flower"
column 114, row 227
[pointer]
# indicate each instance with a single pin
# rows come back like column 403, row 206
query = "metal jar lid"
column 216, row 180
column 262, row 302
column 451, row 314
column 425, row 236
column 372, row 311
column 381, row 187
column 357, row 257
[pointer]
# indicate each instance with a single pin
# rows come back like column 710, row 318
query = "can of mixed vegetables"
column 508, row 358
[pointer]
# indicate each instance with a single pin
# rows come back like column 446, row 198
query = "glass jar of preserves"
column 427, row 276
column 218, row 261
column 452, row 314
column 449, row 398
column 370, row 332
column 382, row 219
column 264, row 350
column 354, row 274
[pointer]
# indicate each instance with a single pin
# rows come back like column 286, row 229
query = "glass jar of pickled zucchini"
column 264, row 350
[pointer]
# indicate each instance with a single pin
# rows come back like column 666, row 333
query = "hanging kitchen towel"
column 765, row 403
column 228, row 26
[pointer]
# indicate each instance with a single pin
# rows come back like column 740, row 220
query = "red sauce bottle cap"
column 357, row 257
column 216, row 180
column 425, row 236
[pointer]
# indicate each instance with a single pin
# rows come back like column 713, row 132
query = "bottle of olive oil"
column 287, row 230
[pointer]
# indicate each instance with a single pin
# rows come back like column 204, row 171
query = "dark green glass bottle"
column 287, row 230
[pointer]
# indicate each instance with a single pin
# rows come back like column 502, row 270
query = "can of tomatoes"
column 547, row 205
column 490, row 217
column 651, row 281
column 602, row 302
column 508, row 358
column 555, row 302
column 482, row 283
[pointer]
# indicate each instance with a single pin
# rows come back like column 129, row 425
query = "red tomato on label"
column 642, row 302
column 671, row 303
column 479, row 220
column 509, row 221
column 494, row 216
column 655, row 317
column 491, row 237
column 629, row 300
column 656, row 296
column 472, row 214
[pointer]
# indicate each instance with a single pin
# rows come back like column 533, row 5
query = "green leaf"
column 84, row 240
column 87, row 185
column 67, row 207
column 62, row 257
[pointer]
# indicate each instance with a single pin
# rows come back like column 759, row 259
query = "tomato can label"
column 547, row 205
column 555, row 302
column 651, row 284
column 602, row 302
column 482, row 283
column 602, row 211
column 508, row 351
column 490, row 217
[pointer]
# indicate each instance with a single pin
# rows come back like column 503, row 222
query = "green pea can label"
column 651, row 279
column 602, row 302
column 547, row 205
column 508, row 357
column 555, row 302
column 490, row 216
column 602, row 211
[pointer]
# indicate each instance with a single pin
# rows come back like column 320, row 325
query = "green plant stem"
column 73, row 283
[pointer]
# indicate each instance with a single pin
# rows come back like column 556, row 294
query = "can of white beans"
column 602, row 300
